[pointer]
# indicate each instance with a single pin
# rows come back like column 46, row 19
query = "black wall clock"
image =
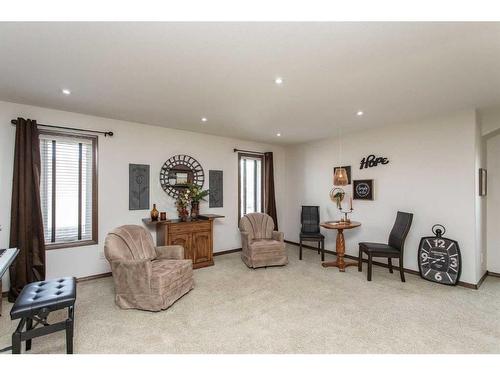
column 439, row 258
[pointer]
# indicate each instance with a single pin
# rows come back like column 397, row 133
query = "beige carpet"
column 299, row 308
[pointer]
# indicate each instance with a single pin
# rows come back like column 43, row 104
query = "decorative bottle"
column 195, row 209
column 154, row 213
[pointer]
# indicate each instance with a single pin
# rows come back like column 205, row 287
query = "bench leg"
column 300, row 250
column 29, row 326
column 16, row 343
column 322, row 250
column 69, row 330
column 16, row 337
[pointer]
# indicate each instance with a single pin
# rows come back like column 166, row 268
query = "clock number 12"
column 439, row 243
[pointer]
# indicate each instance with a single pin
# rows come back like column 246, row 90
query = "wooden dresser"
column 196, row 236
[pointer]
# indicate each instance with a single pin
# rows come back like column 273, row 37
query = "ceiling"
column 173, row 74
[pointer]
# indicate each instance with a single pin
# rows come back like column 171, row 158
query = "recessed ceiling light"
column 66, row 91
column 204, row 119
column 360, row 113
column 278, row 80
column 278, row 134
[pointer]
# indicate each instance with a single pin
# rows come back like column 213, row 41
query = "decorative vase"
column 195, row 209
column 183, row 213
column 154, row 213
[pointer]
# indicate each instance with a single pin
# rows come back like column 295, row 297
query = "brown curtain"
column 26, row 225
column 269, row 197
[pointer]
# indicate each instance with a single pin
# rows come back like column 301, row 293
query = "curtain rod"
column 14, row 122
column 248, row 152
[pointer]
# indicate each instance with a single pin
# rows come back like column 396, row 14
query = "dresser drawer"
column 188, row 227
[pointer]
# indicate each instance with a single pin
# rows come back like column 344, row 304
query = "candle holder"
column 346, row 218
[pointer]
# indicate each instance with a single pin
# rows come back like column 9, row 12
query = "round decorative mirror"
column 178, row 172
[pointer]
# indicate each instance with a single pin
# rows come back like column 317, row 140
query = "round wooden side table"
column 340, row 244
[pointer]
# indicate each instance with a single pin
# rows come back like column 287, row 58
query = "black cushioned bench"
column 36, row 301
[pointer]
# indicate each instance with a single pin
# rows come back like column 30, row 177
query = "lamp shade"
column 340, row 177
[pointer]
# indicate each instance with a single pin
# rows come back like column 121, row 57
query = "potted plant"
column 182, row 204
column 196, row 194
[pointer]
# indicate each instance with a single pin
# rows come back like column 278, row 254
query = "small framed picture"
column 483, row 182
column 363, row 189
column 348, row 170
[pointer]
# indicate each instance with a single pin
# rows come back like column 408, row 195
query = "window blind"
column 250, row 184
column 66, row 188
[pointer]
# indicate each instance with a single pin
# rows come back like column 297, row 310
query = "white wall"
column 490, row 128
column 431, row 173
column 493, row 203
column 132, row 143
column 490, row 120
column 480, row 201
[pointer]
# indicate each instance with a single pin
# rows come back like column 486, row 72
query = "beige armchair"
column 146, row 277
column 261, row 245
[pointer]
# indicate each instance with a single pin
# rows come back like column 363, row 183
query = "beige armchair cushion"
column 129, row 242
column 146, row 277
column 170, row 252
column 257, row 225
column 261, row 245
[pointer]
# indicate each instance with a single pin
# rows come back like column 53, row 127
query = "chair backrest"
column 309, row 218
column 259, row 225
column 129, row 242
column 400, row 230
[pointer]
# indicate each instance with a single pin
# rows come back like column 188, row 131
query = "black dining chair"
column 393, row 249
column 309, row 218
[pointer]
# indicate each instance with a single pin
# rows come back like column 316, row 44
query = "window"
column 250, row 183
column 68, row 189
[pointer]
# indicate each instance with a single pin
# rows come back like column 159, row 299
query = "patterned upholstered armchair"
column 146, row 277
column 261, row 245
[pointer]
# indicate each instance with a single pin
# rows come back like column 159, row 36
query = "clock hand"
column 438, row 260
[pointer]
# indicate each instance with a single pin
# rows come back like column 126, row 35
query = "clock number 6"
column 438, row 276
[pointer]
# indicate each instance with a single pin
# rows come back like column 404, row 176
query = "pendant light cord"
column 340, row 147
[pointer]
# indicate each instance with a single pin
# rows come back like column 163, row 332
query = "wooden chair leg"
column 360, row 260
column 369, row 277
column 319, row 246
column 389, row 262
column 300, row 251
column 323, row 250
column 401, row 269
